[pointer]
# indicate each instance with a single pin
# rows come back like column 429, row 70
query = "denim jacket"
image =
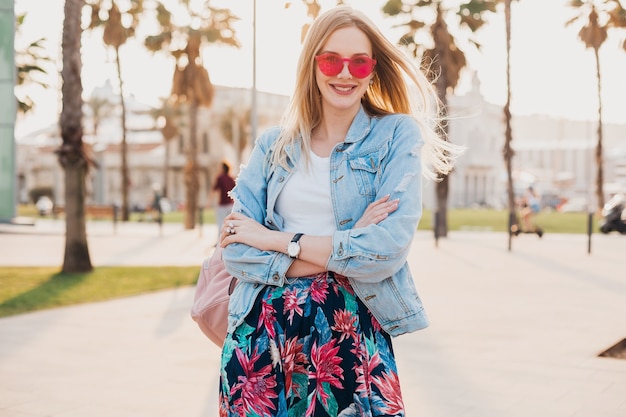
column 379, row 156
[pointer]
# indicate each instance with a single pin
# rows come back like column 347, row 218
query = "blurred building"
column 555, row 156
column 223, row 133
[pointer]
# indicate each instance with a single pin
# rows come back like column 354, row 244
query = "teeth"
column 343, row 88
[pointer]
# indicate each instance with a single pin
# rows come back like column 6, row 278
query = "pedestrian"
column 222, row 186
column 529, row 207
column 325, row 212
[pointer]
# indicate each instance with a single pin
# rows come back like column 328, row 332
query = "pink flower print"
column 294, row 362
column 292, row 303
column 319, row 289
column 325, row 369
column 389, row 386
column 345, row 323
column 267, row 318
column 256, row 387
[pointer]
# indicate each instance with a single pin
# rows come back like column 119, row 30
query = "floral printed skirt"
column 309, row 348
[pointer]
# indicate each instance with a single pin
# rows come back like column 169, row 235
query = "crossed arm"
column 315, row 250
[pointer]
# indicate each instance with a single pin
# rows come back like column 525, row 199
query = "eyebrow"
column 336, row 53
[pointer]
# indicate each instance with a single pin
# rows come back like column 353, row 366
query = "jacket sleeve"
column 245, row 262
column 373, row 253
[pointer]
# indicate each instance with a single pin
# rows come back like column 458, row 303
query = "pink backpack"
column 210, row 304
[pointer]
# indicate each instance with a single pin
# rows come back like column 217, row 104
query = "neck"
column 333, row 127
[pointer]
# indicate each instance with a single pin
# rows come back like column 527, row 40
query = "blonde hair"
column 398, row 86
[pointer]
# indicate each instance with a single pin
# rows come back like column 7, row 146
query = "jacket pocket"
column 364, row 170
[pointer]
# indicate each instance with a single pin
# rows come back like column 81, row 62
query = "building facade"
column 555, row 156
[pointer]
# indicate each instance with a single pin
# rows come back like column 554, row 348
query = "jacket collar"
column 360, row 127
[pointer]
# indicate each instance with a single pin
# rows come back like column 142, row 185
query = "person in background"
column 529, row 206
column 222, row 186
column 325, row 212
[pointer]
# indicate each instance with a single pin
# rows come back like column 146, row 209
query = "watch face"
column 293, row 249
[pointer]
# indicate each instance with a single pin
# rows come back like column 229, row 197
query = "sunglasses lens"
column 361, row 67
column 332, row 64
column 329, row 64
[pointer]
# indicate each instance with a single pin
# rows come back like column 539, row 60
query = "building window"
column 205, row 142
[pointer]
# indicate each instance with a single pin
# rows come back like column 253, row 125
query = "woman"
column 323, row 219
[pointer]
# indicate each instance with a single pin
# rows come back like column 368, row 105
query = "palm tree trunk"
column 124, row 147
column 76, row 258
column 599, row 162
column 166, row 167
column 508, row 134
column 71, row 153
column 443, row 185
column 191, row 169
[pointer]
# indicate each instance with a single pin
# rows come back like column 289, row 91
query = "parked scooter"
column 614, row 215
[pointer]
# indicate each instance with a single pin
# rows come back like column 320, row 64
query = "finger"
column 381, row 200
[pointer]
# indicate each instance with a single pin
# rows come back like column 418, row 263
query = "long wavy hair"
column 398, row 86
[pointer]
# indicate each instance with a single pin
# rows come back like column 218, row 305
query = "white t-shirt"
column 304, row 203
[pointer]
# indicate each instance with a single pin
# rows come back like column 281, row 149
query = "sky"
column 552, row 73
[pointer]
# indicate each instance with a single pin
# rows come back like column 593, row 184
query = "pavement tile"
column 513, row 333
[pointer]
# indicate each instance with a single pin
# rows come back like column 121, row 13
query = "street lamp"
column 253, row 112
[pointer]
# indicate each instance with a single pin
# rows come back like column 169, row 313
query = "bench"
column 92, row 211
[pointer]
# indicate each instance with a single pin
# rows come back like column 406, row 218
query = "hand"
column 377, row 211
column 239, row 228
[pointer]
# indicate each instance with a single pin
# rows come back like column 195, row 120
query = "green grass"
column 458, row 219
column 28, row 289
column 208, row 215
column 497, row 221
column 25, row 289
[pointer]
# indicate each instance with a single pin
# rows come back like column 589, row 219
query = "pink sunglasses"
column 331, row 64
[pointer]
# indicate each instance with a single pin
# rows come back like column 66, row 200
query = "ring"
column 231, row 230
column 231, row 225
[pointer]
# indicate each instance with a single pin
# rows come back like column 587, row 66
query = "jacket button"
column 275, row 277
column 340, row 252
column 281, row 179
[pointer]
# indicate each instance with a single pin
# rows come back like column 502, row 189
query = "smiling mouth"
column 343, row 88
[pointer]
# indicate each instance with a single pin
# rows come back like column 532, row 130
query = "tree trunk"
column 166, row 167
column 76, row 257
column 442, row 187
column 124, row 147
column 508, row 134
column 71, row 154
column 599, row 158
column 191, row 169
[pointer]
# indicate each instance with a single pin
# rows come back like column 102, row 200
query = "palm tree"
column 71, row 154
column 118, row 27
column 100, row 108
column 444, row 58
column 167, row 120
column 191, row 86
column 29, row 67
column 235, row 126
column 507, row 151
column 597, row 18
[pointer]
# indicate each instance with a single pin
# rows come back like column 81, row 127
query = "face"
column 344, row 90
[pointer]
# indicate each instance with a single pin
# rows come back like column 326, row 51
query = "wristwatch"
column 293, row 248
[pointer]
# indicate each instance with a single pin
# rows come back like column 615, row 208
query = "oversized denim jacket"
column 380, row 156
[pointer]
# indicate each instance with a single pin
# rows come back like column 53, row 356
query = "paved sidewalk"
column 513, row 333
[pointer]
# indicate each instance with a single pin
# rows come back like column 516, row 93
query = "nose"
column 345, row 71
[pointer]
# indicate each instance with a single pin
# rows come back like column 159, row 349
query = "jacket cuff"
column 278, row 270
column 340, row 253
